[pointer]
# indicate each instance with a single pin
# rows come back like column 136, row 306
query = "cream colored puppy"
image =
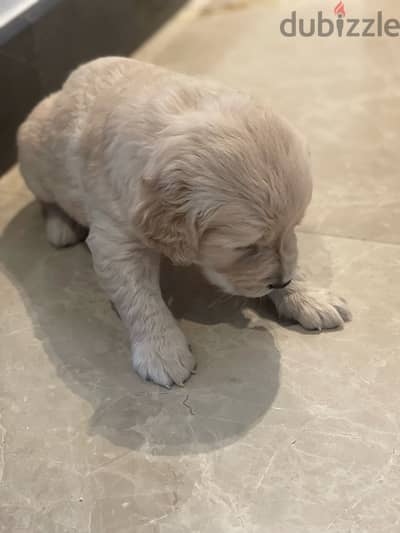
column 153, row 162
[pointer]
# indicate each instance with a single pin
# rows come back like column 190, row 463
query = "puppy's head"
column 225, row 190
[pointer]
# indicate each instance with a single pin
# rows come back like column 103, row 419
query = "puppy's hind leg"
column 62, row 230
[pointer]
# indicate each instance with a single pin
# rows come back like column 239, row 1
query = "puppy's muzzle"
column 282, row 286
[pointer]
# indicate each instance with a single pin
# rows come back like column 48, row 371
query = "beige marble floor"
column 279, row 431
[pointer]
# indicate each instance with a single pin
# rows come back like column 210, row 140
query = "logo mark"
column 340, row 10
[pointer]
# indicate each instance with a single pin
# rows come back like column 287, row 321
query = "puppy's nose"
column 281, row 286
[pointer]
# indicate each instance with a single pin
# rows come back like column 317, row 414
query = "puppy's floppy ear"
column 165, row 216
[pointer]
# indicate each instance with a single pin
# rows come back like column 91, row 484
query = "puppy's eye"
column 252, row 249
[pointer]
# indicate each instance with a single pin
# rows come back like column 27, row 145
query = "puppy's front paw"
column 315, row 310
column 165, row 360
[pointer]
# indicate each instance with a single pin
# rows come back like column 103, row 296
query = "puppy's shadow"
column 238, row 367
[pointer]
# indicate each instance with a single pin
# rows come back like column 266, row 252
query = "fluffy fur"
column 153, row 162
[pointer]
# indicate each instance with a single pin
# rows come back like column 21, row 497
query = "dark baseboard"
column 39, row 48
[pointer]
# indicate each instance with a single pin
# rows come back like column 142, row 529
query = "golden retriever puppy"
column 153, row 162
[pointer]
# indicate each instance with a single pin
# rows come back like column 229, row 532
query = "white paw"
column 315, row 310
column 62, row 231
column 166, row 360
